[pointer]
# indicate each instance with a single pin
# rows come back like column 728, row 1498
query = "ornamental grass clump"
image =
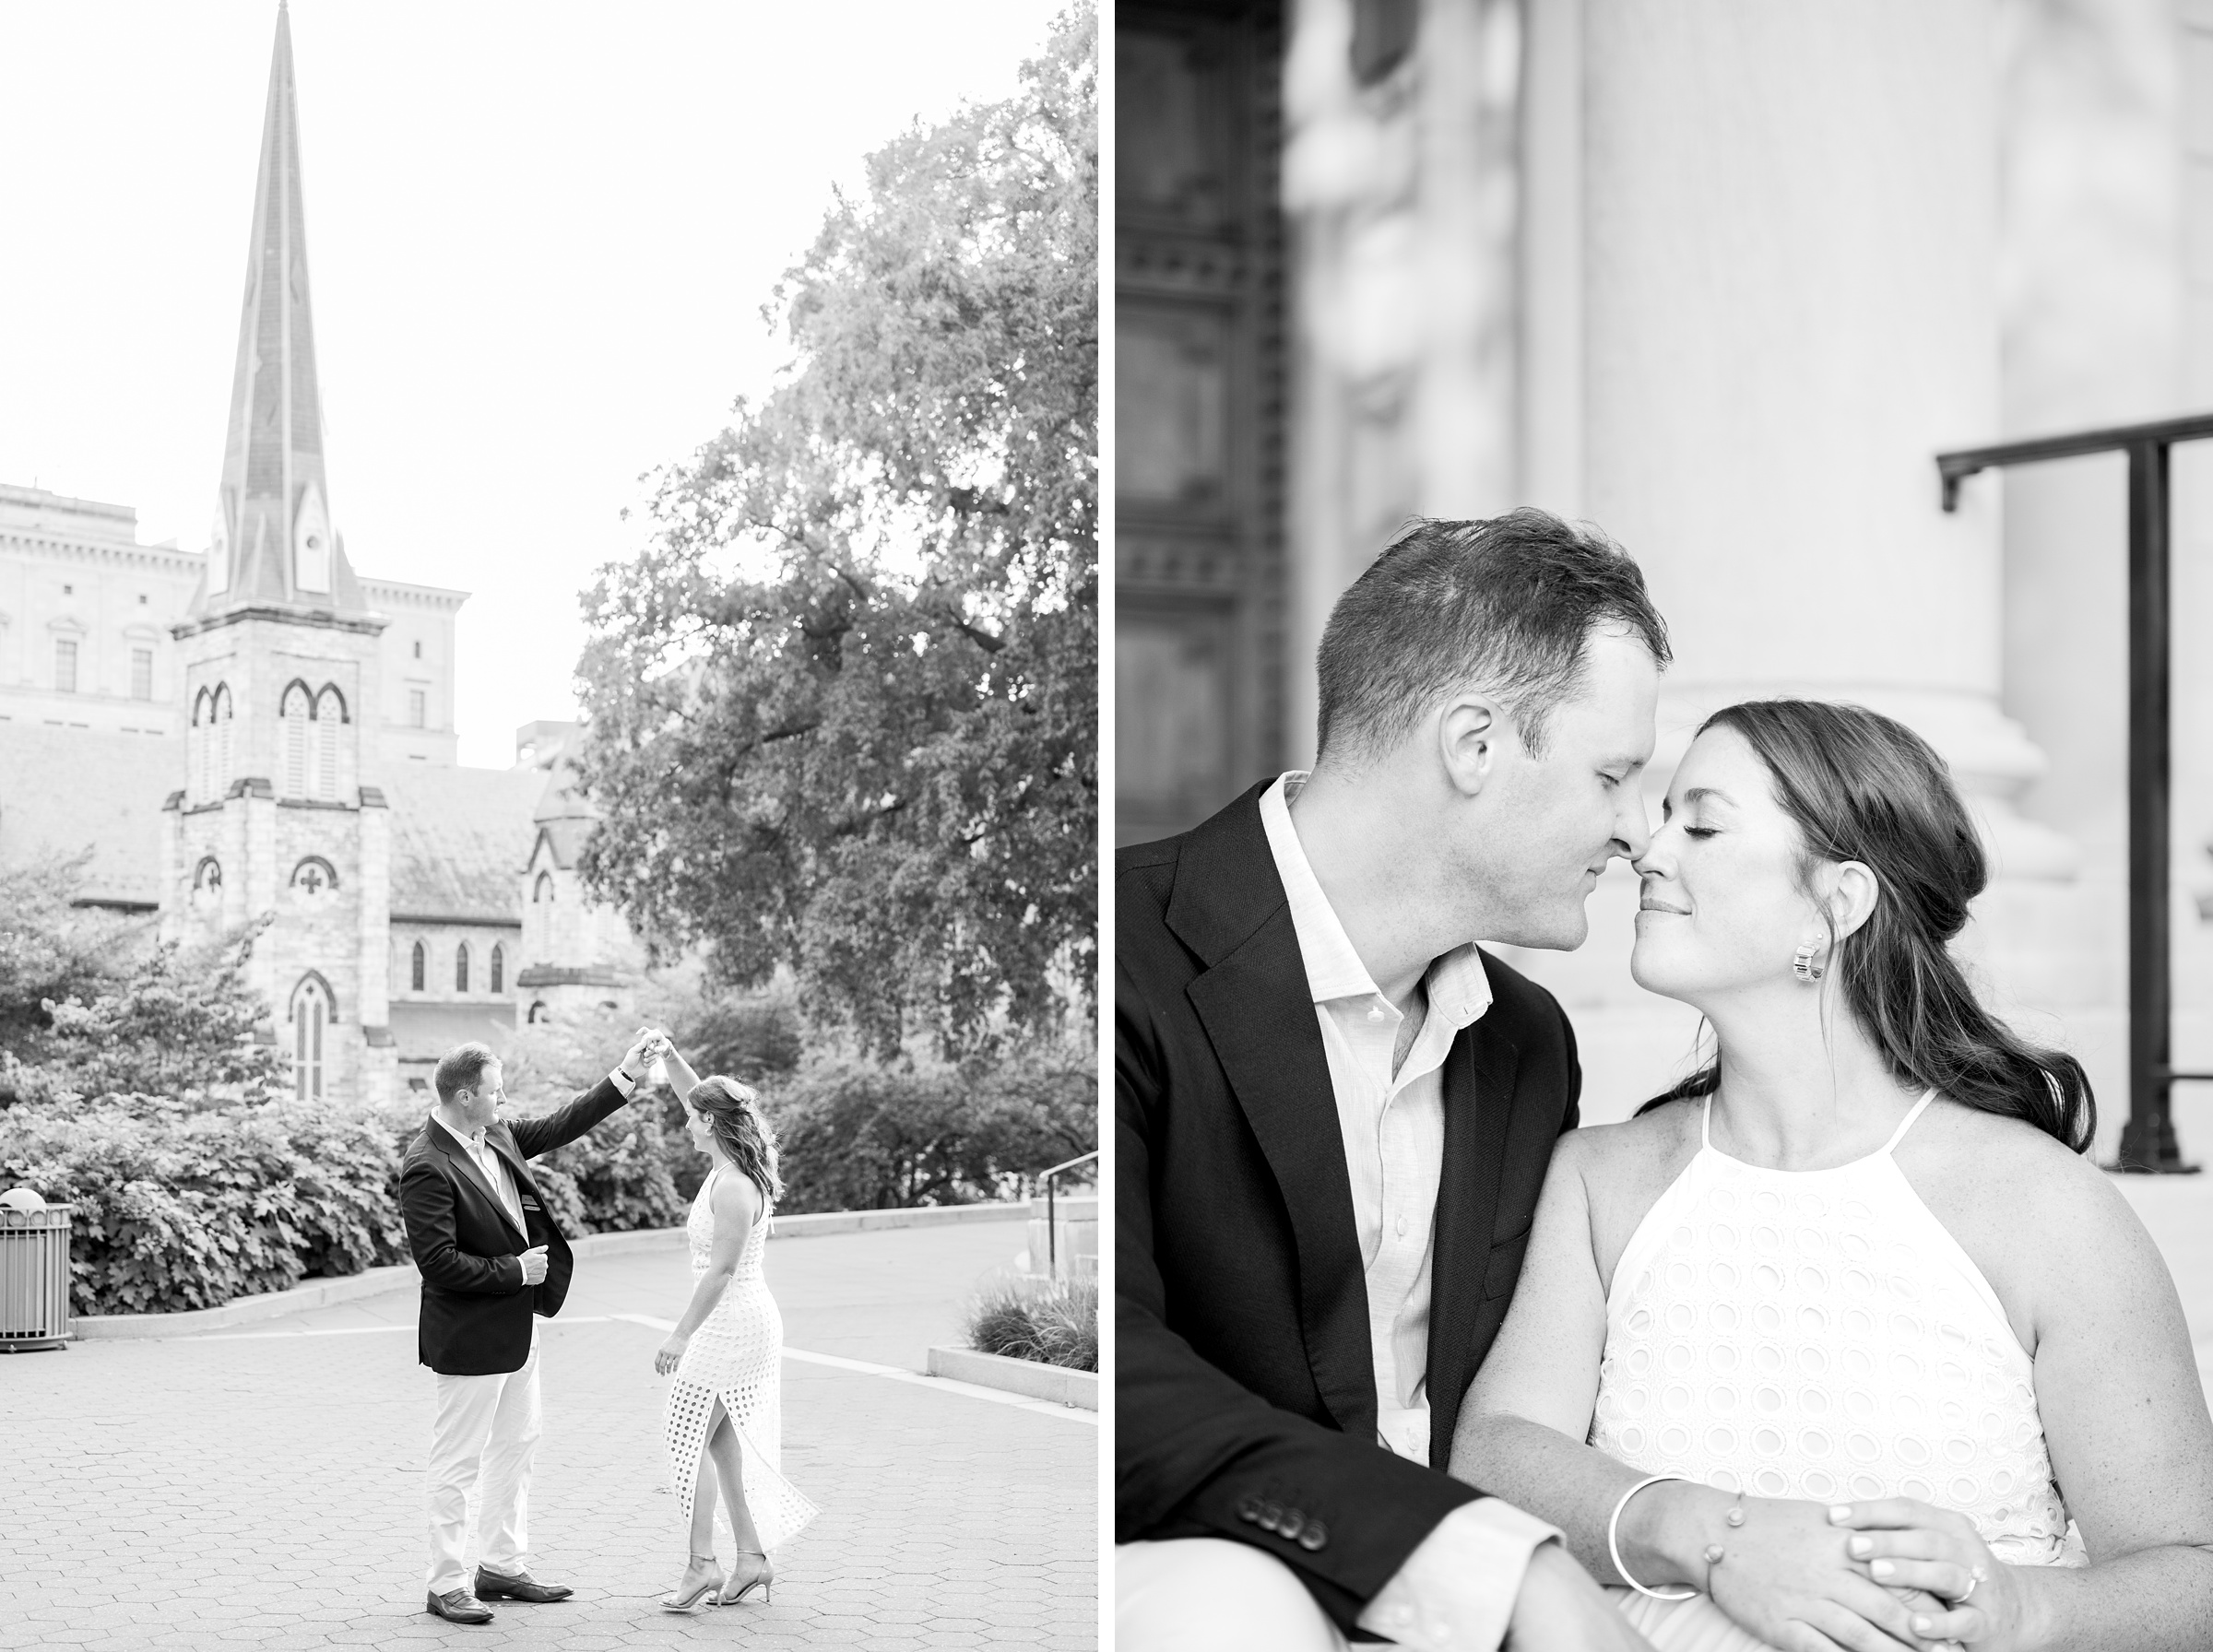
column 1054, row 1323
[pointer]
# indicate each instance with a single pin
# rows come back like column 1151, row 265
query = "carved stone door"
column 1199, row 383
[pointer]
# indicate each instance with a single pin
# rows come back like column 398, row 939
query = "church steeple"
column 272, row 541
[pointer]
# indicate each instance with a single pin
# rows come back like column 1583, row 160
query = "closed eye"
column 1699, row 831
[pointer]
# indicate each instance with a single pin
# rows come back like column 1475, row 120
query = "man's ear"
column 1468, row 735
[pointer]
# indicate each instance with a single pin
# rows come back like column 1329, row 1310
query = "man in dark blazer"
column 493, row 1261
column 1334, row 1113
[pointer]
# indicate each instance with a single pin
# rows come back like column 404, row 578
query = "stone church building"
column 258, row 729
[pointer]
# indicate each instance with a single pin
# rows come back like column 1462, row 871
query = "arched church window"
column 207, row 883
column 417, row 972
column 543, row 888
column 330, row 715
column 461, row 967
column 294, row 711
column 219, row 709
column 196, row 745
column 313, row 875
column 538, row 1012
column 311, row 1019
column 499, row 968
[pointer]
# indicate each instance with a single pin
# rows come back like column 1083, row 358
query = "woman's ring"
column 1975, row 1579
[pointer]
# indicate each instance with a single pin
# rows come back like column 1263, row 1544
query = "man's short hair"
column 1507, row 605
column 462, row 1069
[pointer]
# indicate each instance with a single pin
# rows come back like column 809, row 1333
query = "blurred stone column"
column 2090, row 291
column 1400, row 179
column 1789, row 252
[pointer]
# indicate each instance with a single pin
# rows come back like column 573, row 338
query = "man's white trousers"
column 483, row 1440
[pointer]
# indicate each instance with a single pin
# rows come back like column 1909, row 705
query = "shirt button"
column 1402, row 1224
column 1376, row 1014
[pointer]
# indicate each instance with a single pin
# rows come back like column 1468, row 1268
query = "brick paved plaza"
column 263, row 1486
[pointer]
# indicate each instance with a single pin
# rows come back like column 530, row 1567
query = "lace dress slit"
column 735, row 1356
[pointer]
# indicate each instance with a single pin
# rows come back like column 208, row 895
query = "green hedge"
column 180, row 1209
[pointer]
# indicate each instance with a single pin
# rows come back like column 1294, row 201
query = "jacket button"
column 1249, row 1508
column 1271, row 1517
column 1293, row 1522
column 1314, row 1537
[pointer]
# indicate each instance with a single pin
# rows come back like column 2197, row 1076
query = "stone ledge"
column 245, row 1310
column 375, row 1282
column 1032, row 1377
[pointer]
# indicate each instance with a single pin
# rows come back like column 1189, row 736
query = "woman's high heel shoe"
column 699, row 1595
column 766, row 1577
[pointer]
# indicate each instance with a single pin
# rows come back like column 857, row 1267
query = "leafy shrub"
column 1054, row 1323
column 617, row 1177
column 179, row 1210
column 854, row 1136
column 91, row 1005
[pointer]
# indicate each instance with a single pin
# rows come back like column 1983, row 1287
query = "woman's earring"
column 1802, row 964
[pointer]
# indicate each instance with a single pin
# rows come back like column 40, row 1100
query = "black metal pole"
column 2148, row 1141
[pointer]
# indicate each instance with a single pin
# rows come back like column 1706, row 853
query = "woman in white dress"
column 726, row 1354
column 1844, row 1343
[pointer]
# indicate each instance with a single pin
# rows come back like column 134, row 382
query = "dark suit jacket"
column 476, row 1309
column 1245, row 1398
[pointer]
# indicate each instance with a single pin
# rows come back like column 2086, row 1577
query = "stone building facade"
column 255, row 731
column 1722, row 278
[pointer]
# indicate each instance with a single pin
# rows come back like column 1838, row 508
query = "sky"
column 540, row 238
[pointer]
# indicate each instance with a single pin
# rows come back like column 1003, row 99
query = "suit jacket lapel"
column 464, row 1162
column 1479, row 1107
column 502, row 1142
column 1258, row 1014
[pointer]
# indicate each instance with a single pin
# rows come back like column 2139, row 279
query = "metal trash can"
column 34, row 1272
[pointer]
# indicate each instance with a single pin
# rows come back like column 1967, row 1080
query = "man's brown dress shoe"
column 520, row 1586
column 459, row 1606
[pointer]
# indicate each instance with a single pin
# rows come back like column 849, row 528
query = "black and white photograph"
column 1663, row 767
column 549, row 846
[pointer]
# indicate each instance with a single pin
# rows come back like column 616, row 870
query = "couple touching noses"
column 1403, row 1353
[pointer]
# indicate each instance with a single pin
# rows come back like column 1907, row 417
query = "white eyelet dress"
column 737, row 1355
column 1818, row 1335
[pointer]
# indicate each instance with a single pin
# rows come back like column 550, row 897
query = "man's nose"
column 1632, row 830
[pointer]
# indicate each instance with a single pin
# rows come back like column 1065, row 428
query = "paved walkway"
column 264, row 1486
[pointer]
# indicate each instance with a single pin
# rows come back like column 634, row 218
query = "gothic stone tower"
column 280, row 656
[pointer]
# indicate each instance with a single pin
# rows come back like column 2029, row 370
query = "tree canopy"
column 841, row 712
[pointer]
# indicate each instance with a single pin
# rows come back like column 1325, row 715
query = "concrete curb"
column 1031, row 1378
column 375, row 1282
column 245, row 1310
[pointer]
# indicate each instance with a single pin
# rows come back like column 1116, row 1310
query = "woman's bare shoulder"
column 1991, row 1168
column 734, row 1197
column 1989, row 1149
column 1634, row 1150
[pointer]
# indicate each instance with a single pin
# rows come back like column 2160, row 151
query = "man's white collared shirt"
column 495, row 1171
column 1392, row 1125
column 1456, row 1590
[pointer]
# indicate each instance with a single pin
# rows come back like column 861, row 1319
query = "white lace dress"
column 736, row 1355
column 1818, row 1335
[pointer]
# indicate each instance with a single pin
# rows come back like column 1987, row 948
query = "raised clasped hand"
column 534, row 1265
column 649, row 1046
column 669, row 1354
column 1786, row 1576
column 1907, row 1545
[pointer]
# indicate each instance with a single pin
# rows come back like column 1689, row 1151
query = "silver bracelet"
column 1613, row 1539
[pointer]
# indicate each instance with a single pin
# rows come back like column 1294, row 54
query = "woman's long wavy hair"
column 733, row 1111
column 1862, row 786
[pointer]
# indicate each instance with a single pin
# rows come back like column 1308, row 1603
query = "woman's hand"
column 669, row 1354
column 1905, row 1544
column 1786, row 1576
